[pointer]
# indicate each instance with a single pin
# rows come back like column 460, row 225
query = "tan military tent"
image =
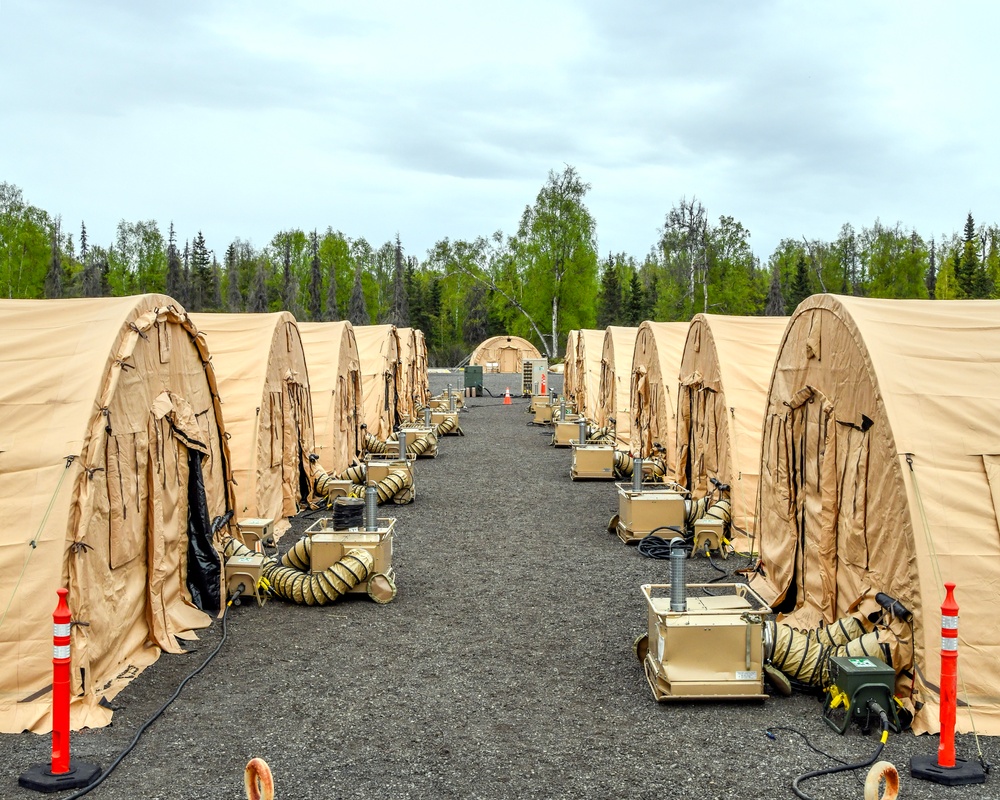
column 421, row 378
column 724, row 375
column 337, row 394
column 656, row 364
column 503, row 354
column 880, row 474
column 587, row 372
column 407, row 398
column 569, row 362
column 378, row 352
column 111, row 437
column 264, row 385
column 616, row 378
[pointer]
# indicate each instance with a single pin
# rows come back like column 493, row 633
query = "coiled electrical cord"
column 145, row 726
column 873, row 708
column 653, row 546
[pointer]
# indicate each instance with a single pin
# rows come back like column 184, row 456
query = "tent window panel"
column 127, row 459
column 277, row 428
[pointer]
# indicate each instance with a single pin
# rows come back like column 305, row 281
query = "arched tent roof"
column 503, row 354
column 724, row 375
column 378, row 350
column 264, row 385
column 406, row 402
column 337, row 393
column 125, row 389
column 422, row 388
column 656, row 364
column 616, row 379
column 569, row 362
column 890, row 407
column 587, row 372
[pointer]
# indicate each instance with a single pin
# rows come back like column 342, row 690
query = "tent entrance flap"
column 203, row 569
column 819, row 466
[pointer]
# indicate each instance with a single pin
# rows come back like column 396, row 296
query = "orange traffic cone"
column 506, row 397
column 542, row 387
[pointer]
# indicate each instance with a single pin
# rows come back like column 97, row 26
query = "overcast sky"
column 443, row 119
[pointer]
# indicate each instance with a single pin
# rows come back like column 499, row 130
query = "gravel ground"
column 504, row 668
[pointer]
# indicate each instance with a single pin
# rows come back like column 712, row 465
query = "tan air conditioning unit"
column 592, row 462
column 329, row 546
column 704, row 647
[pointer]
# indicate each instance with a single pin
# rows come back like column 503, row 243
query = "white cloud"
column 443, row 118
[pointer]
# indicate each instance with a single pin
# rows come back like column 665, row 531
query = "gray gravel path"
column 503, row 669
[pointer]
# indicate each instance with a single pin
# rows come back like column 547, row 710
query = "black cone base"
column 964, row 772
column 41, row 779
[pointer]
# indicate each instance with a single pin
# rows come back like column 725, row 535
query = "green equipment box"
column 474, row 379
column 855, row 681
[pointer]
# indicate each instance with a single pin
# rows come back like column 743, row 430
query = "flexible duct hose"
column 358, row 473
column 417, row 446
column 393, row 486
column 447, row 425
column 303, row 588
column 601, row 436
column 381, row 585
column 321, row 484
column 694, row 510
column 300, row 554
column 372, row 444
column 421, row 444
column 805, row 655
column 624, row 465
column 721, row 510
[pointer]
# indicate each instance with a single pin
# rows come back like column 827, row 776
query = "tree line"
column 540, row 281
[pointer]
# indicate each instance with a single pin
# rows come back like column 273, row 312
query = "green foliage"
column 538, row 283
column 25, row 247
column 555, row 251
column 895, row 262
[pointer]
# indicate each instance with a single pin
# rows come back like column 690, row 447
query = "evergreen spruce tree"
column 257, row 301
column 215, row 301
column 200, row 286
column 775, row 306
column 400, row 313
column 184, row 296
column 315, row 281
column 175, row 272
column 609, row 301
column 91, row 281
column 331, row 312
column 652, row 297
column 234, row 298
column 636, row 301
column 415, row 297
column 357, row 308
column 801, row 288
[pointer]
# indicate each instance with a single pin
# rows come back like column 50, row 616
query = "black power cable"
column 653, row 546
column 873, row 708
column 135, row 740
